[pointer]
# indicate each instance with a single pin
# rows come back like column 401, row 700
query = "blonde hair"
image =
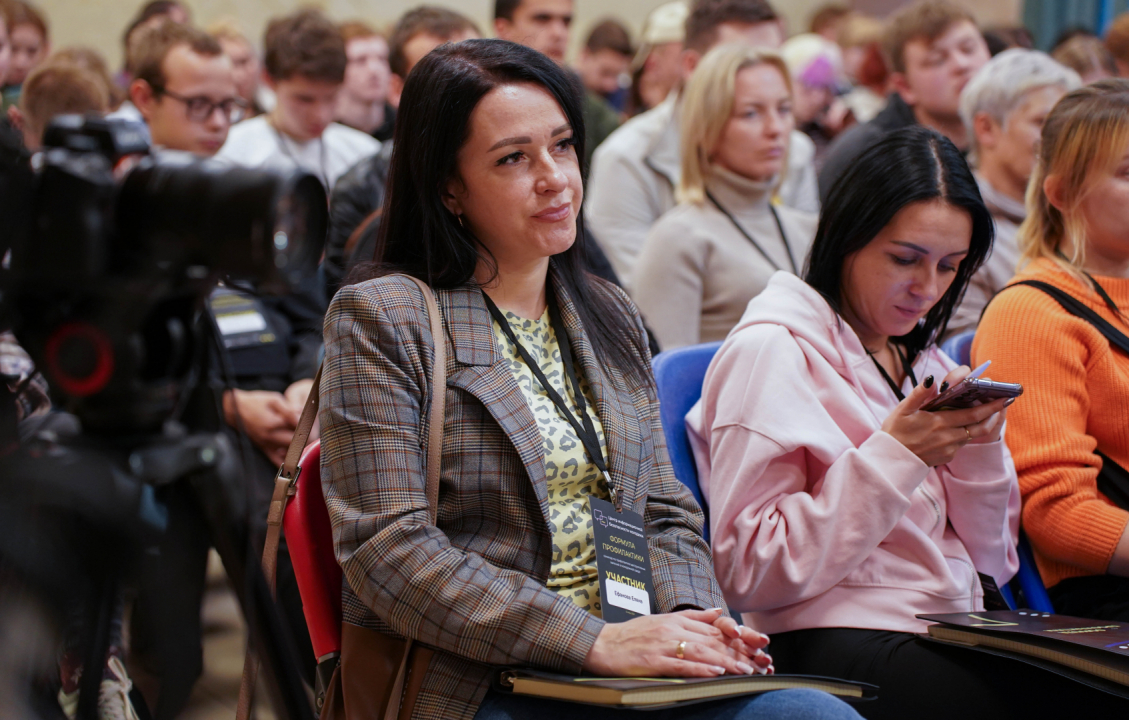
column 227, row 28
column 1086, row 133
column 707, row 105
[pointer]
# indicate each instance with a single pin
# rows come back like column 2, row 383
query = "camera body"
column 114, row 250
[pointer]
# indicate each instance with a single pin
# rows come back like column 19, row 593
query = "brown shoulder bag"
column 379, row 676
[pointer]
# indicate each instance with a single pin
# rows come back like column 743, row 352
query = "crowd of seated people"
column 933, row 50
column 636, row 171
column 830, row 207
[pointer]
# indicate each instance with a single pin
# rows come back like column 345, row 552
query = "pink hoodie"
column 818, row 517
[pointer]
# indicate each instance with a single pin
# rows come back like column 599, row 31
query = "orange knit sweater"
column 1075, row 399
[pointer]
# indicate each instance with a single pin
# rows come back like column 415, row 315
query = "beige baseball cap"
column 665, row 24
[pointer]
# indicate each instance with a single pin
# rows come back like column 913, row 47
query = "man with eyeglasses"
column 184, row 88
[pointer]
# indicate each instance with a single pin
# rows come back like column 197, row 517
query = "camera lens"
column 197, row 217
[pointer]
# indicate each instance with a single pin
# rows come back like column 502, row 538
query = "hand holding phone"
column 936, row 437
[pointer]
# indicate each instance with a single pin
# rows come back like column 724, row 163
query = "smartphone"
column 971, row 392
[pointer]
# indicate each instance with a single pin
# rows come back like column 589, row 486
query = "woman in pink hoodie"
column 840, row 509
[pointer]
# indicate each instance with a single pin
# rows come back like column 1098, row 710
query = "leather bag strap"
column 286, row 483
column 438, row 409
column 435, row 419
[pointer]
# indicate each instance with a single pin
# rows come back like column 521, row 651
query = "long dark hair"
column 420, row 237
column 910, row 165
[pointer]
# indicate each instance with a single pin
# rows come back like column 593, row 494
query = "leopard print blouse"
column 572, row 477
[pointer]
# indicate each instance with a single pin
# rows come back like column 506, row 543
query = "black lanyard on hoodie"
column 886, row 376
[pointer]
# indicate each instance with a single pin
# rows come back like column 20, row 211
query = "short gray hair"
column 1000, row 86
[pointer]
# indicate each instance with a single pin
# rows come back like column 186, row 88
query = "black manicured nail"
column 928, row 382
column 944, row 387
column 1009, row 401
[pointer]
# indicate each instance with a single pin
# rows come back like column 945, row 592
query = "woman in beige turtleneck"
column 705, row 259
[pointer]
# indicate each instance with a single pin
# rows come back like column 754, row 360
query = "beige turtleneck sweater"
column 697, row 272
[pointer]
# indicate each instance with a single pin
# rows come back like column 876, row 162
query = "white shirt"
column 255, row 143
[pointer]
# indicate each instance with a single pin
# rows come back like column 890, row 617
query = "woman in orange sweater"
column 1073, row 420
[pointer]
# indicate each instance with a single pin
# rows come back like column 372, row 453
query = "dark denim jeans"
column 777, row 705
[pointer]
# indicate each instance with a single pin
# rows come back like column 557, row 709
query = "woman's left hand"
column 742, row 639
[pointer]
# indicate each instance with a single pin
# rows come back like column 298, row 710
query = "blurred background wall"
column 100, row 23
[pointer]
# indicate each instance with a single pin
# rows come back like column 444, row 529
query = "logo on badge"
column 601, row 518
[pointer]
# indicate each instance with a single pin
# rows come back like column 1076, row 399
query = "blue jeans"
column 778, row 705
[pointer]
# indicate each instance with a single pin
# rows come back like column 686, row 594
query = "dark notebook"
column 1094, row 652
column 655, row 693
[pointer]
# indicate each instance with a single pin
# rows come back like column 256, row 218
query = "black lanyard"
column 584, row 428
column 751, row 239
column 889, row 380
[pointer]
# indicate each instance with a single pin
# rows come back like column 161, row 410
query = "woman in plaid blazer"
column 484, row 201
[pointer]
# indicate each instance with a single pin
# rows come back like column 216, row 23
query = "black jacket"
column 356, row 195
column 848, row 146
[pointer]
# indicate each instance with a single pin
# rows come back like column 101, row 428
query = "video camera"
column 115, row 249
column 108, row 255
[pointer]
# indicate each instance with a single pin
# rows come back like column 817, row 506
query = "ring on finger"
column 680, row 651
column 968, row 433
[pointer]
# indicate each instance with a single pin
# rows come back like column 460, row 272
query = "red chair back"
column 309, row 538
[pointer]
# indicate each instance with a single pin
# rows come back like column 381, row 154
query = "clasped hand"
column 268, row 418
column 648, row 646
column 936, row 436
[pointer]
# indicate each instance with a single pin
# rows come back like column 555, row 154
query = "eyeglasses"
column 200, row 108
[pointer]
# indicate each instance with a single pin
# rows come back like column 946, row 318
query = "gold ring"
column 680, row 653
column 969, row 434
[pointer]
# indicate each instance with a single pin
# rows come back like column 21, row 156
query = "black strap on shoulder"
column 1113, row 480
column 1078, row 309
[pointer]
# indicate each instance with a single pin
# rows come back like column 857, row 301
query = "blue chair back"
column 1009, row 597
column 1030, row 581
column 679, row 374
column 959, row 347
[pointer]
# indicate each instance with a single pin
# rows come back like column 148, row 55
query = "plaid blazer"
column 472, row 586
